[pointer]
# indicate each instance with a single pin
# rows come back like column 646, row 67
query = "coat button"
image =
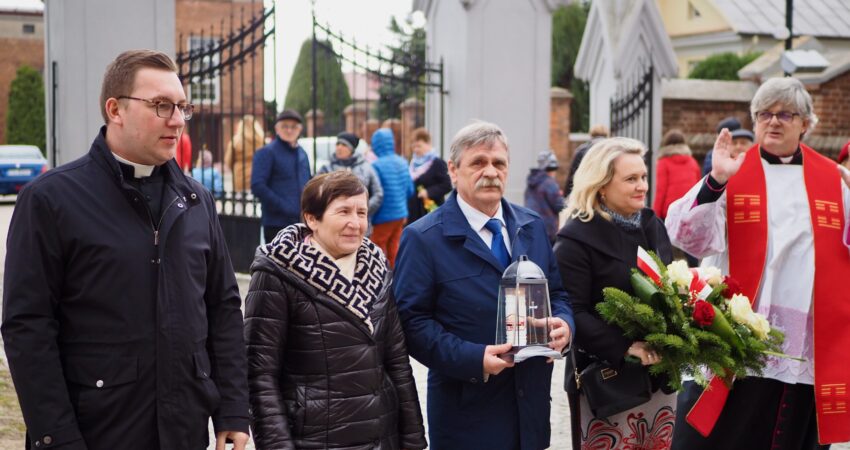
column 47, row 440
column 473, row 380
column 98, row 383
column 193, row 196
column 520, row 393
column 38, row 443
column 179, row 205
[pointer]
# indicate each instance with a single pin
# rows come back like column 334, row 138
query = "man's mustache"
column 486, row 182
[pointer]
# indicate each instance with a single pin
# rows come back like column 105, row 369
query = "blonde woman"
column 246, row 140
column 597, row 248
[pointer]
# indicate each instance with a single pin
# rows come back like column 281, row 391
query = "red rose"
column 732, row 287
column 703, row 313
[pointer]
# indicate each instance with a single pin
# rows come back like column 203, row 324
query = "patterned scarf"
column 420, row 164
column 627, row 223
column 289, row 251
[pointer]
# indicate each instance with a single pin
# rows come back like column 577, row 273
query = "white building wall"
column 83, row 36
column 497, row 66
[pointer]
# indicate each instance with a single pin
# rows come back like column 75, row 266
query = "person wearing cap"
column 280, row 171
column 842, row 156
column 430, row 175
column 542, row 194
column 742, row 140
column 729, row 123
column 346, row 158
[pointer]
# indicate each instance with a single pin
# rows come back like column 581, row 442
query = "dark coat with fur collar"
column 328, row 366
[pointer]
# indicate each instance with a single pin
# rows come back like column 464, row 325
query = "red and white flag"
column 698, row 285
column 648, row 266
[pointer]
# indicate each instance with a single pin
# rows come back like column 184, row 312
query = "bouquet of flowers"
column 694, row 319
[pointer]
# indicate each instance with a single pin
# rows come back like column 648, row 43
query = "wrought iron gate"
column 223, row 70
column 386, row 90
column 631, row 115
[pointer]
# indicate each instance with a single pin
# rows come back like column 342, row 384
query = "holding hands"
column 723, row 163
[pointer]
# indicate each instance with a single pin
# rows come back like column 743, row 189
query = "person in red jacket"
column 677, row 171
column 184, row 152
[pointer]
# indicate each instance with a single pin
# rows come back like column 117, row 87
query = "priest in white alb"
column 775, row 219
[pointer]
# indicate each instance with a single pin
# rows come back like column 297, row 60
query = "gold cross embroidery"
column 827, row 214
column 831, row 405
column 750, row 205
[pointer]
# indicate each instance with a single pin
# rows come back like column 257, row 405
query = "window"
column 29, row 28
column 204, row 89
column 693, row 12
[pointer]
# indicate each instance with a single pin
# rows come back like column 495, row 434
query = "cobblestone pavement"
column 560, row 411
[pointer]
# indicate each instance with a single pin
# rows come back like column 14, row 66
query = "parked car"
column 19, row 164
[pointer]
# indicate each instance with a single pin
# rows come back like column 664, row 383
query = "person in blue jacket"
column 393, row 172
column 280, row 171
column 446, row 286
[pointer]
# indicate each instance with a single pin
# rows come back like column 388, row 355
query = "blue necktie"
column 497, row 245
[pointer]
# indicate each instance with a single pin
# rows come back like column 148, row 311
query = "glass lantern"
column 524, row 312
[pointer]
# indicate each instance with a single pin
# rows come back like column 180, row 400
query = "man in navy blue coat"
column 447, row 284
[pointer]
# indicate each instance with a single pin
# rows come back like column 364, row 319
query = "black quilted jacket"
column 318, row 377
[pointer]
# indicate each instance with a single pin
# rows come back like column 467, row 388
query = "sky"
column 365, row 20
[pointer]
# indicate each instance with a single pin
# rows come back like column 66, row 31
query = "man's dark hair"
column 120, row 74
column 323, row 189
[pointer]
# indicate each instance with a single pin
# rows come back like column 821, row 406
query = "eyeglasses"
column 164, row 109
column 783, row 116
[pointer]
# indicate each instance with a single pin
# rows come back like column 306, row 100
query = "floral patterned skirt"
column 646, row 427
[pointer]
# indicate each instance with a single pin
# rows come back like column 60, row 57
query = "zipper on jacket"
column 158, row 225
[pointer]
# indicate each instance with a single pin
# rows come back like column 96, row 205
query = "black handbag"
column 610, row 390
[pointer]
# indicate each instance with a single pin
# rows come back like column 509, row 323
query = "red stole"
column 746, row 222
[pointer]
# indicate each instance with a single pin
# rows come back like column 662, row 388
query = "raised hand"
column 723, row 164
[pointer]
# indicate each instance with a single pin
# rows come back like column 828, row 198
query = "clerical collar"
column 139, row 170
column 795, row 159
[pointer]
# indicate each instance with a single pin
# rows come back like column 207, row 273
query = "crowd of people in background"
column 122, row 321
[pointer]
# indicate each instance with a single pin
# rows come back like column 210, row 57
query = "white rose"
column 711, row 275
column 760, row 326
column 740, row 308
column 680, row 274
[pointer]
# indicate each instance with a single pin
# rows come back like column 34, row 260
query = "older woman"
column 597, row 248
column 775, row 218
column 328, row 367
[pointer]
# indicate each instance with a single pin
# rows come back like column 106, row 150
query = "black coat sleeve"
column 224, row 340
column 266, row 324
column 31, row 293
column 410, row 429
column 439, row 183
column 593, row 334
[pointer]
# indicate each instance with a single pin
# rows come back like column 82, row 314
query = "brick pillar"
column 559, row 130
column 355, row 115
column 367, row 129
column 412, row 117
column 320, row 122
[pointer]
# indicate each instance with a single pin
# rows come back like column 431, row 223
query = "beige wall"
column 679, row 20
column 12, row 25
